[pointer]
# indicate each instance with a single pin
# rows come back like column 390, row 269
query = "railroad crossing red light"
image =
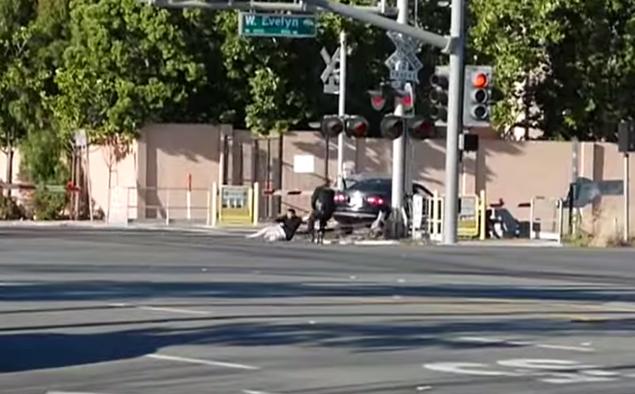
column 331, row 126
column 407, row 102
column 392, row 127
column 480, row 81
column 421, row 129
column 377, row 99
column 357, row 127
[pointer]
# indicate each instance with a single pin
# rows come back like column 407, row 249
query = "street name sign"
column 252, row 24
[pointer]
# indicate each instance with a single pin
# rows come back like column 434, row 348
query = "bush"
column 48, row 205
column 9, row 209
column 43, row 164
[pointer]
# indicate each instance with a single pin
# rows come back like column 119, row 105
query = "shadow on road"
column 30, row 351
column 106, row 290
column 40, row 348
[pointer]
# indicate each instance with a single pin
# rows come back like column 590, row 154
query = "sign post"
column 404, row 67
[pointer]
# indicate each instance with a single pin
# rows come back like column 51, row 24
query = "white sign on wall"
column 303, row 164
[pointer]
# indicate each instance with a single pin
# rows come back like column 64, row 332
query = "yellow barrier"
column 233, row 205
column 471, row 218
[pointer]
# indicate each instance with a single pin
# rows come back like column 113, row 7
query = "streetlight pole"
column 455, row 124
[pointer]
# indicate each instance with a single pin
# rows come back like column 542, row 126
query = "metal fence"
column 167, row 204
column 546, row 218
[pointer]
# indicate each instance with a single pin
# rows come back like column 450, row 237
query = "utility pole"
column 341, row 110
column 399, row 144
column 455, row 123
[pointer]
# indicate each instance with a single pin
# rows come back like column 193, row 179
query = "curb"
column 87, row 225
column 363, row 242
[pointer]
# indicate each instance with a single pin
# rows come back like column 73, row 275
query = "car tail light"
column 375, row 201
column 340, row 198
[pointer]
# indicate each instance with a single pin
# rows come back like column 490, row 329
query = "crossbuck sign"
column 404, row 64
column 331, row 74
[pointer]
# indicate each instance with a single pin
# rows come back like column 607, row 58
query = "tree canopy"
column 110, row 66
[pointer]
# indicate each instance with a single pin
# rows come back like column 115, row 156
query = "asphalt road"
column 149, row 312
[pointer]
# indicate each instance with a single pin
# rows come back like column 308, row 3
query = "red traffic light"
column 480, row 80
column 357, row 127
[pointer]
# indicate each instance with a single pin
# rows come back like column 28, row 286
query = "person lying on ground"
column 284, row 229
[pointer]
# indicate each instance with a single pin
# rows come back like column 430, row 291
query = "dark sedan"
column 360, row 202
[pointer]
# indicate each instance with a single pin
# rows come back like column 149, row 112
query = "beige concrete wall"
column 113, row 167
column 165, row 154
column 609, row 213
column 173, row 151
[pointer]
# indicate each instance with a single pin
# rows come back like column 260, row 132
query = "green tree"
column 20, row 82
column 566, row 67
column 126, row 63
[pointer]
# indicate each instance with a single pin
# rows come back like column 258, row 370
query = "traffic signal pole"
column 399, row 145
column 454, row 123
column 341, row 110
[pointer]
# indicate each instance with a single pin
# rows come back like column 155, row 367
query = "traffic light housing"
column 377, row 99
column 477, row 96
column 439, row 83
column 626, row 136
column 420, row 128
column 392, row 127
column 357, row 127
column 468, row 142
column 331, row 126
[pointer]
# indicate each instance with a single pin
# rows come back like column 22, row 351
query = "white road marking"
column 173, row 310
column 545, row 364
column 255, row 392
column 211, row 363
column 563, row 347
column 424, row 388
column 159, row 309
column 467, row 369
column 568, row 378
column 69, row 392
column 526, row 343
column 544, row 370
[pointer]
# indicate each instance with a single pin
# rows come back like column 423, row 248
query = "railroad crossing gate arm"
column 447, row 44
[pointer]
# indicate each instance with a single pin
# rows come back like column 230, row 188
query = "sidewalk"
column 511, row 243
column 85, row 224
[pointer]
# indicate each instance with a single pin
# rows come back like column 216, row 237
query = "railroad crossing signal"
column 393, row 126
column 477, row 96
column 387, row 93
column 354, row 126
column 331, row 126
column 404, row 65
column 331, row 74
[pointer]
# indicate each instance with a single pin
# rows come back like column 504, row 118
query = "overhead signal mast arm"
column 364, row 14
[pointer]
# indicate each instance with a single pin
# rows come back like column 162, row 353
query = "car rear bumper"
column 348, row 217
